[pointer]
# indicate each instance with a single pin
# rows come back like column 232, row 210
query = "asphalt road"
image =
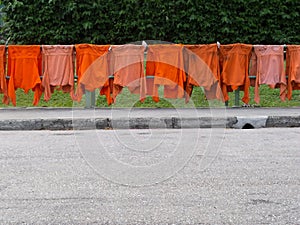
column 208, row 176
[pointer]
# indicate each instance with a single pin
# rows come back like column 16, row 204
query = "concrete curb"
column 283, row 121
column 150, row 123
column 250, row 122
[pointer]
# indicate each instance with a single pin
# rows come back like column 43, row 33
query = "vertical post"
column 237, row 97
column 145, row 62
column 90, row 99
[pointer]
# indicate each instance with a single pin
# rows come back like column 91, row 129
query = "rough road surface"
column 252, row 178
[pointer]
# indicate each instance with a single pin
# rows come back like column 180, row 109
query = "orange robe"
column 151, row 89
column 3, row 83
column 293, row 69
column 58, row 69
column 127, row 65
column 88, row 59
column 269, row 69
column 202, row 68
column 24, row 69
column 234, row 64
column 167, row 64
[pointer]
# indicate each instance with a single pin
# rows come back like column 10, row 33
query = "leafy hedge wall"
column 184, row 21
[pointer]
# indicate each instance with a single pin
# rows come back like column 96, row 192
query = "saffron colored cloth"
column 152, row 89
column 270, row 69
column 167, row 64
column 234, row 65
column 88, row 60
column 293, row 69
column 3, row 83
column 24, row 69
column 127, row 65
column 58, row 69
column 202, row 68
column 96, row 76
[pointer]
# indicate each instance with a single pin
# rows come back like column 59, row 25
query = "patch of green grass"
column 268, row 98
column 126, row 99
column 58, row 99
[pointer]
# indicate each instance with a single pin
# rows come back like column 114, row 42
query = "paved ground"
column 247, row 177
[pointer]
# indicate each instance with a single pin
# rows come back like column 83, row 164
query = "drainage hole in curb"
column 248, row 126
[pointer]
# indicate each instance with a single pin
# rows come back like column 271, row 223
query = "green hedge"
column 181, row 21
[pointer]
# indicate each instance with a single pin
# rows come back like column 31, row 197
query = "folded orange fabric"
column 202, row 67
column 24, row 69
column 3, row 83
column 166, row 61
column 234, row 64
column 293, row 69
column 88, row 60
column 270, row 69
column 127, row 63
column 58, row 69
